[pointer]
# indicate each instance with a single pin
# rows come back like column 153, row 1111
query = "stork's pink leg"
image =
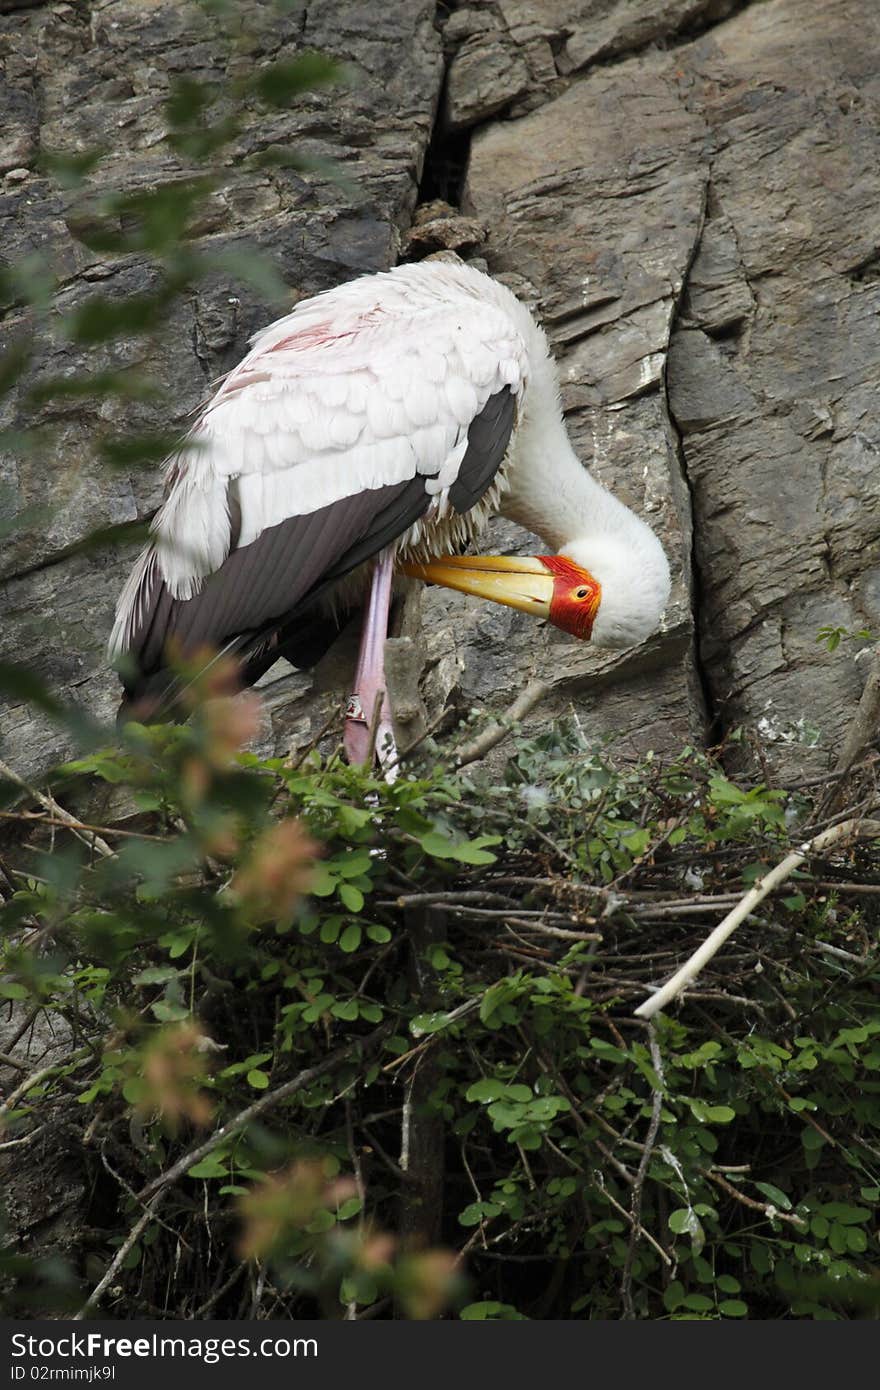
column 369, row 680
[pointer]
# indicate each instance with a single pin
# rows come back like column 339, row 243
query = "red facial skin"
column 576, row 596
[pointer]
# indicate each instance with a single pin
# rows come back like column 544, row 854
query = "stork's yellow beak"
column 519, row 581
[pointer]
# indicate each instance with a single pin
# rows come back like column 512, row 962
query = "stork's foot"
column 369, row 732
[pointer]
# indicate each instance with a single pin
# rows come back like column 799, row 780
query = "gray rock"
column 485, row 76
column 104, row 83
column 698, row 230
column 583, row 226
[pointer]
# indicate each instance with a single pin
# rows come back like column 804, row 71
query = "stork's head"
column 633, row 580
column 596, row 589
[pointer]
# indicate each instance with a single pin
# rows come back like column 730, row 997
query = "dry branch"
column 490, row 737
column 259, row 1107
column 641, row 1174
column 93, row 841
column 844, row 833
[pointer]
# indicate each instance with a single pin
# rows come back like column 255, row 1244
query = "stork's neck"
column 551, row 492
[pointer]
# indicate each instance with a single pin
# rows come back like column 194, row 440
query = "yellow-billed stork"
column 378, row 425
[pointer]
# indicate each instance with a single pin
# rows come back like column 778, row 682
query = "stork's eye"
column 582, row 593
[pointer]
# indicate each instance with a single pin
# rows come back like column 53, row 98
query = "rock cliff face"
column 686, row 191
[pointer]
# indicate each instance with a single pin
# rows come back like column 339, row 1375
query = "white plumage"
column 340, row 395
column 370, row 386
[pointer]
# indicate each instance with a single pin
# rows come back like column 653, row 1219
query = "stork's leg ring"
column 368, row 725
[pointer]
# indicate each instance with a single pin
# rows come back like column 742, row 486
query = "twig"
column 266, row 1102
column 37, row 1076
column 489, row 738
column 771, row 1212
column 119, row 1258
column 383, row 1154
column 629, row 1311
column 842, row 886
column 838, row 834
column 27, row 1022
column 7, row 1061
column 447, row 899
column 638, row 1231
column 294, row 764
column 417, row 742
column 561, row 933
column 351, row 1305
column 862, row 731
column 656, row 910
column 50, row 804
column 38, row 818
column 24, row 1140
column 204, row 1309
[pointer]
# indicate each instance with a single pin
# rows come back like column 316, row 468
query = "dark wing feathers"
column 263, row 586
column 488, row 437
column 258, row 602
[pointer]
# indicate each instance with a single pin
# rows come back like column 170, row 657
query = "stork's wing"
column 343, row 425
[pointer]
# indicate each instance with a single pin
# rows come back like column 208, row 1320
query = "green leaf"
column 684, row 1221
column 210, row 1167
column 22, row 686
column 494, row 1001
column 277, row 84
column 350, row 938
column 378, row 933
column 167, row 1012
column 428, row 1023
column 323, row 881
column 679, row 1220
column 490, row 1311
column 349, row 1209
column 712, row 1114
column 774, row 1195
column 330, row 929
column 733, row 1308
column 845, row 1213
column 697, row 1303
column 352, row 898
column 437, row 845
column 155, row 975
column 727, row 1284
column 321, row 1221
column 489, row 1089
column 252, row 269
column 352, row 865
column 673, row 1296
column 811, row 1139
column 70, row 170
column 258, row 1079
column 471, row 854
column 10, row 990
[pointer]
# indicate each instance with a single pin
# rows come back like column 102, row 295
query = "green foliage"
column 832, row 636
column 760, row 1191
column 248, row 974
